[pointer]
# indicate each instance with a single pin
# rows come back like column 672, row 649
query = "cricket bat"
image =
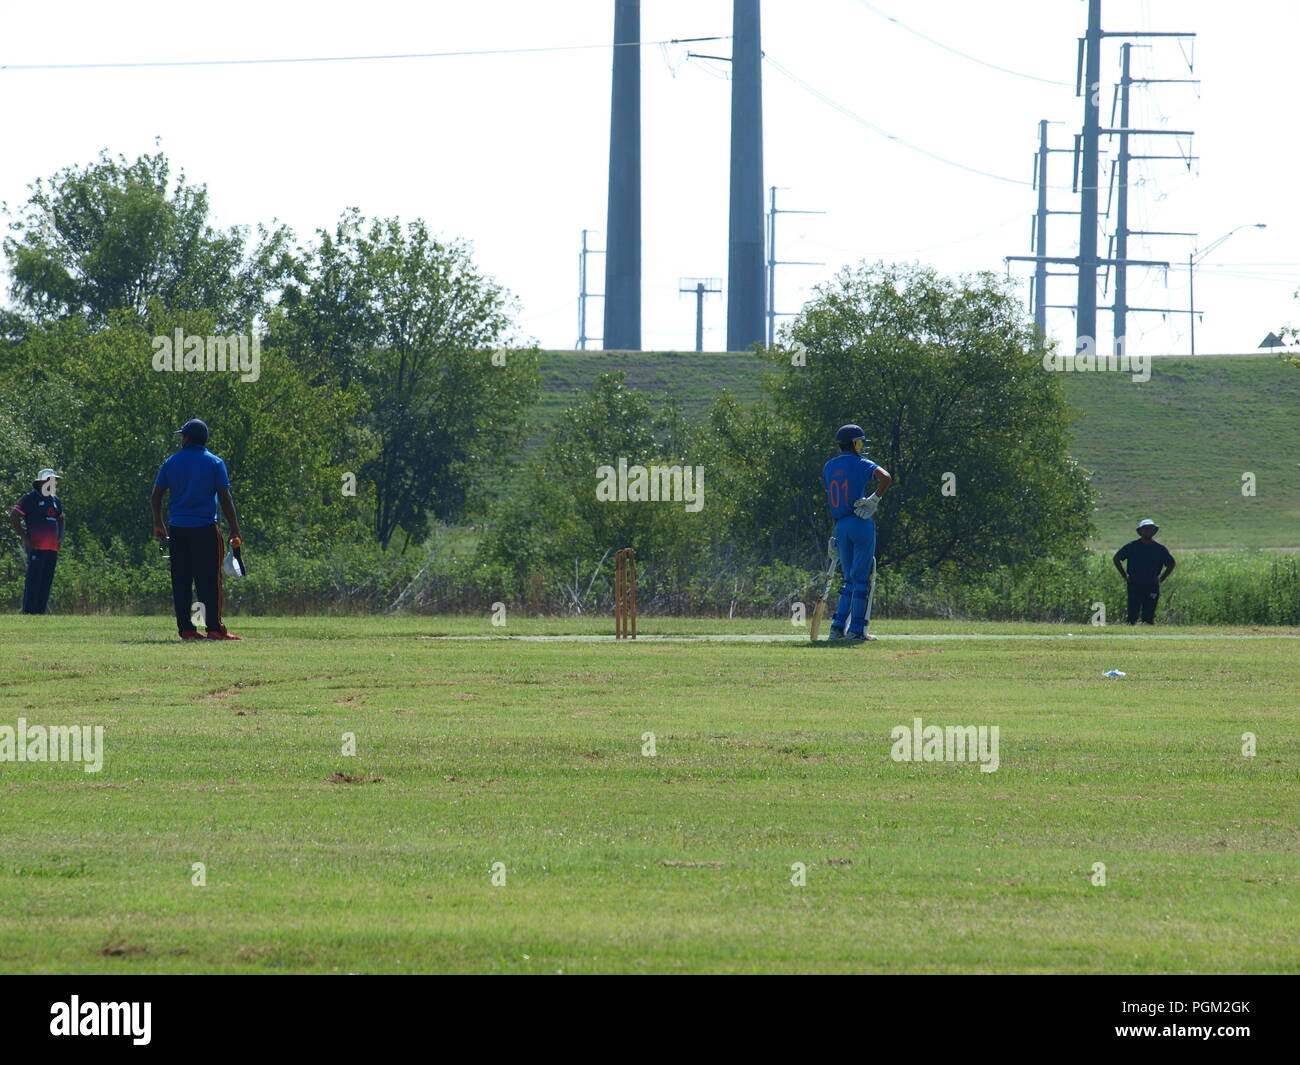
column 819, row 610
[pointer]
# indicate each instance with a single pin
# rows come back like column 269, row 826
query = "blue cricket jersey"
column 846, row 477
column 192, row 475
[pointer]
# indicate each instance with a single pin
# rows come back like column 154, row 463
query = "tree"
column 946, row 377
column 412, row 321
column 559, row 522
column 114, row 235
column 19, row 458
column 106, row 418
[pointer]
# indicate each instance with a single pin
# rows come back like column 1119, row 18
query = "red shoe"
column 223, row 636
column 191, row 634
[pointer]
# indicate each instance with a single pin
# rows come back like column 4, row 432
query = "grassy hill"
column 1173, row 448
column 693, row 379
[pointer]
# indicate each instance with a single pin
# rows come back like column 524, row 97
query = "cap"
column 1145, row 522
column 46, row 474
column 195, row 429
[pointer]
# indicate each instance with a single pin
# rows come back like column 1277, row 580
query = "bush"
column 1211, row 588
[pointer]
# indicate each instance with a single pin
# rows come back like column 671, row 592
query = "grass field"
column 474, row 752
column 1173, row 448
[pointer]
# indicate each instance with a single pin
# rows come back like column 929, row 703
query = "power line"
column 348, row 58
column 957, row 52
column 890, row 136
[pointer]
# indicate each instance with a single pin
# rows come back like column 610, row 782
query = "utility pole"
column 701, row 287
column 1040, row 232
column 745, row 302
column 1087, row 168
column 1121, row 220
column 1086, row 319
column 623, row 231
column 1042, row 260
column 773, row 262
column 583, row 294
column 1122, row 184
column 1038, row 294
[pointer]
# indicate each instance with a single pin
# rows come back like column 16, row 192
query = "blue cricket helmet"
column 847, row 437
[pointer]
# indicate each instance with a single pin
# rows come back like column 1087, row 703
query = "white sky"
column 511, row 151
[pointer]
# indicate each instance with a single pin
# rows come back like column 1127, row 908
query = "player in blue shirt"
column 847, row 477
column 198, row 481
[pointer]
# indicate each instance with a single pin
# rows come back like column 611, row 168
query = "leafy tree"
column 559, row 526
column 19, row 458
column 114, row 235
column 946, row 377
column 412, row 321
column 92, row 397
column 1290, row 335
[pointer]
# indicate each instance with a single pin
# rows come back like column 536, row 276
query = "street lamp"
column 1193, row 259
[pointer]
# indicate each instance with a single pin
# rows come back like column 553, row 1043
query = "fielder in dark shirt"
column 1149, row 565
column 37, row 518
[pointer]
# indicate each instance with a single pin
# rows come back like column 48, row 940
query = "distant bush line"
column 1220, row 588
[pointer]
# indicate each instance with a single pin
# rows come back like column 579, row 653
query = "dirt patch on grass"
column 119, row 948
column 221, row 696
column 692, row 865
column 344, row 778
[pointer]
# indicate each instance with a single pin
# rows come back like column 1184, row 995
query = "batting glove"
column 866, row 506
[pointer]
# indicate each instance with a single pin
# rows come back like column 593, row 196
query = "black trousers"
column 40, row 576
column 1142, row 599
column 196, row 564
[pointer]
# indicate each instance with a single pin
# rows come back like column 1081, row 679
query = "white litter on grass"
column 1114, row 673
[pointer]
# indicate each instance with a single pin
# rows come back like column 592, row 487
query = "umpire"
column 198, row 481
column 1149, row 564
column 37, row 518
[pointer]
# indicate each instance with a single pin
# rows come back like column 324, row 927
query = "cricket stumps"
column 625, row 594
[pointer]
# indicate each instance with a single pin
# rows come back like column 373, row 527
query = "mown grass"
column 530, row 754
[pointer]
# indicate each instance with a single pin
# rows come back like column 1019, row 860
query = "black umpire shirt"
column 42, row 514
column 1145, row 561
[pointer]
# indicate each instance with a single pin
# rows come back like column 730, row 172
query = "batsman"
column 847, row 477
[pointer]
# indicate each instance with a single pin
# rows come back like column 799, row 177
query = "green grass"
column 1173, row 448
column 529, row 754
column 693, row 379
